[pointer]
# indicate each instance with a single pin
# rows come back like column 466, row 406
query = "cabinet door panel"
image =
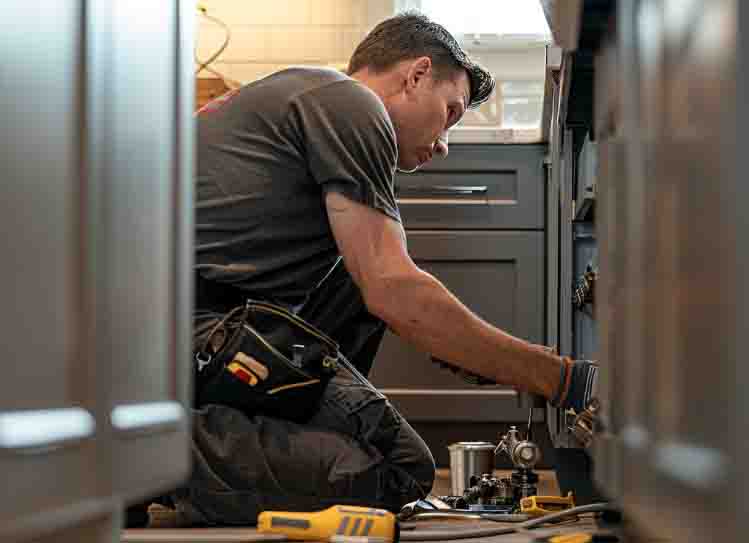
column 95, row 205
column 499, row 275
column 141, row 138
column 46, row 421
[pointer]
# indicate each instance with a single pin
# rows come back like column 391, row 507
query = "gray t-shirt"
column 267, row 154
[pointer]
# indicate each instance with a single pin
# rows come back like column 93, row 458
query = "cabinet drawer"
column 475, row 187
column 499, row 275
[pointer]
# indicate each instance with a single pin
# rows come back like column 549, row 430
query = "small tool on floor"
column 577, row 537
column 537, row 506
column 337, row 524
column 431, row 508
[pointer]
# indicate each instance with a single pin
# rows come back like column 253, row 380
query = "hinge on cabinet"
column 583, row 291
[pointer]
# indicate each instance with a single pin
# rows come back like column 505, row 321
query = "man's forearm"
column 421, row 310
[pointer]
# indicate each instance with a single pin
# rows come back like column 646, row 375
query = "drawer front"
column 499, row 275
column 476, row 187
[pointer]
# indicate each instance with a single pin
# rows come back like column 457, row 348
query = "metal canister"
column 469, row 458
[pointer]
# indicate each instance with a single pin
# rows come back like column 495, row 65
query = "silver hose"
column 440, row 535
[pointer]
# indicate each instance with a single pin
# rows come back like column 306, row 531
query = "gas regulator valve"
column 524, row 454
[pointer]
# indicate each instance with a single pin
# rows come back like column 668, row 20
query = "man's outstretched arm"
column 417, row 307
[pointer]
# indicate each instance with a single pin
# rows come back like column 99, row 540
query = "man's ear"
column 419, row 72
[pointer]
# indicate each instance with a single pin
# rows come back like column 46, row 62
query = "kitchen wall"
column 269, row 35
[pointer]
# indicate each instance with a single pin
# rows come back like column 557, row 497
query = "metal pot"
column 469, row 458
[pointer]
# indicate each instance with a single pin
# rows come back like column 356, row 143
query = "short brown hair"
column 411, row 35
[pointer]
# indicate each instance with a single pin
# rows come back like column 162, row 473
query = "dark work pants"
column 357, row 449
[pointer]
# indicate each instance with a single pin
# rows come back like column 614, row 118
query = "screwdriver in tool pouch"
column 337, row 524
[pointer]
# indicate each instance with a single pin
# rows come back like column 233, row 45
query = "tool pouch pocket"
column 262, row 359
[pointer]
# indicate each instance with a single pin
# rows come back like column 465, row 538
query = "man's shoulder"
column 322, row 81
column 314, row 74
column 338, row 94
column 305, row 79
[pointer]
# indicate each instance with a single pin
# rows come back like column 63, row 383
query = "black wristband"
column 562, row 382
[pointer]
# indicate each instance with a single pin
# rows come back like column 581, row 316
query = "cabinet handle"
column 440, row 190
column 147, row 418
column 31, row 431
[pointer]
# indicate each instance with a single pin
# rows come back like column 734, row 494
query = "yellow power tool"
column 337, row 524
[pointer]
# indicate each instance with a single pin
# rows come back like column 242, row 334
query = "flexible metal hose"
column 440, row 535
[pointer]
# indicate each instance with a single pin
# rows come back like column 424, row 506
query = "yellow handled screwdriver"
column 337, row 524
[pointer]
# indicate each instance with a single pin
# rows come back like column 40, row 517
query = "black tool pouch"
column 261, row 358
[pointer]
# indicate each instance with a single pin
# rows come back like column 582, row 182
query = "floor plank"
column 163, row 532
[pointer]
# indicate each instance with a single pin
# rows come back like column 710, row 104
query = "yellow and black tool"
column 337, row 524
column 578, row 537
column 566, row 538
column 537, row 506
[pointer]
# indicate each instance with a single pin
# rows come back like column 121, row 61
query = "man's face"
column 427, row 111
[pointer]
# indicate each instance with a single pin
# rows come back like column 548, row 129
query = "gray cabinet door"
column 142, row 173
column 95, row 210
column 499, row 275
column 48, row 416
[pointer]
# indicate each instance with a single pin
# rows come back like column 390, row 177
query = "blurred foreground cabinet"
column 95, row 282
column 656, row 101
column 673, row 253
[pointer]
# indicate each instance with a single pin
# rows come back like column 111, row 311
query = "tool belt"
column 261, row 358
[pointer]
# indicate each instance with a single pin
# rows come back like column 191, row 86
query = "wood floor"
column 547, row 485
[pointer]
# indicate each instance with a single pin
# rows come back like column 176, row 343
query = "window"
column 500, row 17
column 508, row 37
